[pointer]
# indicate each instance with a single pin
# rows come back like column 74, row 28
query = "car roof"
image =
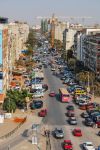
column 88, row 142
column 77, row 129
column 67, row 141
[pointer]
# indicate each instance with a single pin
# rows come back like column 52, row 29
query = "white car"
column 88, row 146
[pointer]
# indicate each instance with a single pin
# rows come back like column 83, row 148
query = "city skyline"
column 25, row 10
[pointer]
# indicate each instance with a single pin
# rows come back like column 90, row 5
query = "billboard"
column 0, row 47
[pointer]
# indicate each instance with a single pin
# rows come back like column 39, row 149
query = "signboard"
column 0, row 47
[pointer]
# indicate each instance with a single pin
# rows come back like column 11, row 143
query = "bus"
column 64, row 95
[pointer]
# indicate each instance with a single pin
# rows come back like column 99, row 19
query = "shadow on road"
column 57, row 97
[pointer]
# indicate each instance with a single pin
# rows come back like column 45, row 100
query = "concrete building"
column 79, row 41
column 18, row 34
column 59, row 29
column 4, row 70
column 68, row 38
column 92, row 52
column 78, row 45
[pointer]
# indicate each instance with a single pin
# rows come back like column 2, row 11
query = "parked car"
column 70, row 113
column 67, row 145
column 99, row 133
column 70, row 107
column 88, row 146
column 89, row 122
column 42, row 113
column 98, row 147
column 36, row 104
column 77, row 132
column 72, row 120
column 85, row 115
column 58, row 133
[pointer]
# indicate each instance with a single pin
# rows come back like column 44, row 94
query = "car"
column 70, row 113
column 45, row 87
column 42, row 113
column 53, row 69
column 72, row 120
column 84, row 114
column 77, row 132
column 89, row 122
column 36, row 104
column 98, row 147
column 58, row 133
column 82, row 103
column 52, row 94
column 99, row 133
column 88, row 146
column 70, row 107
column 82, row 107
column 67, row 145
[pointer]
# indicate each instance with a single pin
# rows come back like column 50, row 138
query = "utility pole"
column 88, row 88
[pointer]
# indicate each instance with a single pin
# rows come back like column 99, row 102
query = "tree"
column 69, row 54
column 72, row 63
column 31, row 39
column 9, row 105
column 58, row 45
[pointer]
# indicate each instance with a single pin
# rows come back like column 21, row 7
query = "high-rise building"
column 4, row 71
column 68, row 38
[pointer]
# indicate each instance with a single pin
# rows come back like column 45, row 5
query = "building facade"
column 92, row 52
column 4, row 69
column 59, row 29
column 68, row 38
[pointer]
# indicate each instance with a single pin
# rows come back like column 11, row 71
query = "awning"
column 2, row 97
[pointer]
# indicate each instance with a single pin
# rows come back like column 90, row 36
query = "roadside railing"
column 14, row 130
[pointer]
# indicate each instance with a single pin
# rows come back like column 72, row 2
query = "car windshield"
column 78, row 131
column 60, row 131
column 89, row 144
column 68, row 143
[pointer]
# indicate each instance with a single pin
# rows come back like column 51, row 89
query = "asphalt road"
column 56, row 118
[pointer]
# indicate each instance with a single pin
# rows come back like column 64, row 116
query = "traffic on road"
column 72, row 116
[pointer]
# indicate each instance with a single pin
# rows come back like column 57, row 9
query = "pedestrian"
column 48, row 133
column 45, row 133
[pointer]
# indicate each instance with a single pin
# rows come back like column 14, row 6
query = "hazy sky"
column 27, row 10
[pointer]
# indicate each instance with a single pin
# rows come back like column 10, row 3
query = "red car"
column 42, row 113
column 52, row 94
column 70, row 113
column 77, row 132
column 67, row 145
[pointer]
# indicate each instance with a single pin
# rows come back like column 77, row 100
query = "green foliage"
column 69, row 54
column 9, row 105
column 15, row 99
column 31, row 42
column 58, row 44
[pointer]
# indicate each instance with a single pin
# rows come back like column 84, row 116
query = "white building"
column 68, row 38
column 59, row 29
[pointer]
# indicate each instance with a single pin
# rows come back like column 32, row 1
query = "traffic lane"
column 55, row 114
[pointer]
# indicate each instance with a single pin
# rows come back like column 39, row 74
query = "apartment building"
column 79, row 41
column 59, row 29
column 12, row 41
column 4, row 70
column 92, row 52
column 68, row 38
